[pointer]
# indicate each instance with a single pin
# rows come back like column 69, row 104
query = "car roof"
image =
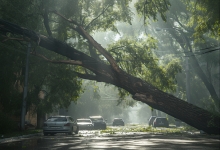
column 95, row 116
column 59, row 116
column 117, row 118
column 83, row 119
column 161, row 117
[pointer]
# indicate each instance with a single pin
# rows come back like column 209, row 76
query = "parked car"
column 178, row 122
column 98, row 121
column 85, row 124
column 160, row 122
column 60, row 124
column 118, row 122
column 151, row 120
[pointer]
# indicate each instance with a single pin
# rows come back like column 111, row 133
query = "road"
column 115, row 141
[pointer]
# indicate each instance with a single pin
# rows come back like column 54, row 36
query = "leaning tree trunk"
column 141, row 90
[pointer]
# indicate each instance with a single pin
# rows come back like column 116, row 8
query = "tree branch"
column 90, row 39
column 104, row 10
column 86, row 76
column 72, row 62
column 105, row 53
column 17, row 39
column 46, row 23
column 70, row 21
column 191, row 114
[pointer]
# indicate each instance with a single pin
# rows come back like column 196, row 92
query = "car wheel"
column 77, row 130
column 71, row 132
column 45, row 134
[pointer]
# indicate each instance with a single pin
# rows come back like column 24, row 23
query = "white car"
column 85, row 124
column 60, row 124
column 98, row 121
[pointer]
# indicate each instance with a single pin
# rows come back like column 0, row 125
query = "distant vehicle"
column 60, row 124
column 178, row 122
column 98, row 121
column 85, row 124
column 160, row 122
column 151, row 120
column 118, row 122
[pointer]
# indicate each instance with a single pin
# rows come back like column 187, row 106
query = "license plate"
column 54, row 127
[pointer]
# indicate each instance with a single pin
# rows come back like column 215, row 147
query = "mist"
column 168, row 48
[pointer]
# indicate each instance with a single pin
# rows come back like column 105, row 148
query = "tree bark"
column 40, row 120
column 141, row 90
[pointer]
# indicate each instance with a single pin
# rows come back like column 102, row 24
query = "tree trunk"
column 159, row 113
column 141, row 90
column 40, row 120
column 153, row 112
column 196, row 66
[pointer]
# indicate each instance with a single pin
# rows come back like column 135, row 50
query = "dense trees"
column 128, row 64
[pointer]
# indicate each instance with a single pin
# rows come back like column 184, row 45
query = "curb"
column 17, row 138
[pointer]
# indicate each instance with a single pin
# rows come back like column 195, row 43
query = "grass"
column 20, row 133
column 125, row 129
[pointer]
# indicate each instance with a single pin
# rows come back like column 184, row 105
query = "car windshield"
column 152, row 117
column 84, row 120
column 57, row 119
column 118, row 120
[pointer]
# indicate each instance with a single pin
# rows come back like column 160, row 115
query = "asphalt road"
column 119, row 141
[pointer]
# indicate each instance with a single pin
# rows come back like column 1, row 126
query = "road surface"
column 116, row 141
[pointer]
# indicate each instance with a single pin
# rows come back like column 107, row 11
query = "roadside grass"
column 172, row 130
column 20, row 133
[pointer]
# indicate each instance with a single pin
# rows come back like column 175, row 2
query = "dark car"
column 85, row 124
column 60, row 124
column 98, row 121
column 118, row 122
column 150, row 121
column 160, row 122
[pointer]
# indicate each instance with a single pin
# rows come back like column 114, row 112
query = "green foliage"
column 138, row 59
column 148, row 8
column 141, row 128
column 11, row 64
column 58, row 80
column 204, row 18
column 173, row 67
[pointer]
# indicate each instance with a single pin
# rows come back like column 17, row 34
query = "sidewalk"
column 17, row 138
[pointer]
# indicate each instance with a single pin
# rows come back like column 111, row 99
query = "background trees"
column 129, row 63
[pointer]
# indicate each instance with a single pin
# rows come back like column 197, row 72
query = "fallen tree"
column 111, row 73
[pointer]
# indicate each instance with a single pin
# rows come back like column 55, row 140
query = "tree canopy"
column 130, row 63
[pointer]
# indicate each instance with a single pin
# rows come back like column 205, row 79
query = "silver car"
column 60, row 124
column 85, row 124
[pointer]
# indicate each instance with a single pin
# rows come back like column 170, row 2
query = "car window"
column 71, row 119
column 56, row 119
column 84, row 120
column 152, row 118
column 96, row 119
column 118, row 120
